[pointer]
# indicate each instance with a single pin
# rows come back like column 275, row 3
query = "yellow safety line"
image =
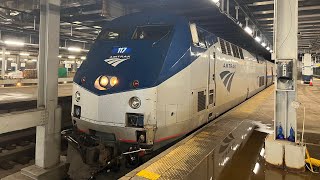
column 149, row 175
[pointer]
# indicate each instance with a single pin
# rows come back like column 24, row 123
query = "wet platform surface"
column 28, row 93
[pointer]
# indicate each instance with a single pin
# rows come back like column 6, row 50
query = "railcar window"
column 151, row 32
column 109, row 35
column 228, row 48
column 235, row 51
column 241, row 53
column 223, row 46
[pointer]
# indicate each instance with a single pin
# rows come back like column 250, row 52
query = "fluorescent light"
column 34, row 60
column 74, row 49
column 83, row 57
column 262, row 152
column 71, row 57
column 10, row 59
column 263, row 44
column 248, row 30
column 6, row 53
column 268, row 48
column 77, row 22
column 14, row 43
column 215, row 1
column 59, row 56
column 271, row 51
column 258, row 39
column 24, row 54
column 97, row 27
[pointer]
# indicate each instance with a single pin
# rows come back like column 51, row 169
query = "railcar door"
column 211, row 85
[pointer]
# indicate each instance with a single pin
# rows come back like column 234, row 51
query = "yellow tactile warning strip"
column 148, row 175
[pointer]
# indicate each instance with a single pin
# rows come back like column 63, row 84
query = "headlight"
column 77, row 96
column 103, row 81
column 135, row 102
column 113, row 81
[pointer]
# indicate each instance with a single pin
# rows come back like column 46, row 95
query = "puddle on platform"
column 248, row 164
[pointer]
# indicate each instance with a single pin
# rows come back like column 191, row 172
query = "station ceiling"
column 81, row 20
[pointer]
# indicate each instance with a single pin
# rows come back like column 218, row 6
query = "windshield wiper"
column 156, row 42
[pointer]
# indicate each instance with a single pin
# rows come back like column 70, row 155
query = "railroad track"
column 17, row 149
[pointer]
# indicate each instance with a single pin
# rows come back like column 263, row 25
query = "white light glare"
column 263, row 44
column 215, row 1
column 268, row 48
column 256, row 168
column 74, row 49
column 6, row 53
column 71, row 57
column 24, row 54
column 262, row 152
column 271, row 52
column 14, row 43
column 258, row 39
column 248, row 30
column 60, row 56
column 83, row 58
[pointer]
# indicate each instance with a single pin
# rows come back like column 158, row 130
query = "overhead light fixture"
column 268, row 48
column 14, row 43
column 24, row 54
column 263, row 44
column 10, row 59
column 258, row 39
column 77, row 22
column 34, row 60
column 248, row 30
column 71, row 57
column 74, row 49
column 97, row 27
column 83, row 58
column 271, row 51
column 59, row 56
column 6, row 53
column 215, row 1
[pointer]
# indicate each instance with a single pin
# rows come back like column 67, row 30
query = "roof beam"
column 303, row 8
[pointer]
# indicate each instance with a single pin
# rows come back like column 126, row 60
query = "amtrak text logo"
column 116, row 60
column 227, row 78
column 119, row 55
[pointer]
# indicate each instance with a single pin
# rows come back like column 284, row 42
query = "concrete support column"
column 48, row 136
column 18, row 61
column 3, row 65
column 75, row 66
column 281, row 148
column 286, row 48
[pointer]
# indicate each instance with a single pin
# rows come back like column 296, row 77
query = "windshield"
column 151, row 32
column 109, row 35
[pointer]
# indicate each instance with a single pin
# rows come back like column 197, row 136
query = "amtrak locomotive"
column 150, row 79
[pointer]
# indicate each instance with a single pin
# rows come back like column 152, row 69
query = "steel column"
column 3, row 65
column 286, row 48
column 48, row 135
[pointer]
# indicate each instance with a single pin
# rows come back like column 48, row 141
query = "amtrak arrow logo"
column 115, row 61
column 227, row 78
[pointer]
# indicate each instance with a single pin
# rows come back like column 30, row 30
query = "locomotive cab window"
column 154, row 32
column 109, row 35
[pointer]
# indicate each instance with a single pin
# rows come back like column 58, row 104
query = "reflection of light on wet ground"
column 256, row 168
column 248, row 164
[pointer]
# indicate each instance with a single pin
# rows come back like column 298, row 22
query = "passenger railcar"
column 152, row 78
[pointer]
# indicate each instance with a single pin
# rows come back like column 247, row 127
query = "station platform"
column 28, row 93
column 198, row 157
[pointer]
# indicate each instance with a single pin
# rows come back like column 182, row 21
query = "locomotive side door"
column 211, row 84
